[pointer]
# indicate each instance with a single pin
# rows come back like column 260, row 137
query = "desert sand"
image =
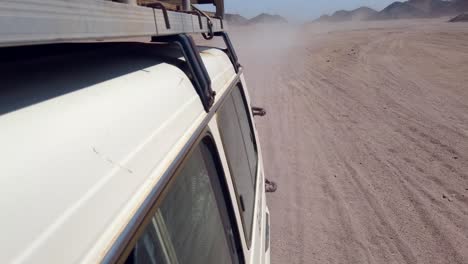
column 367, row 137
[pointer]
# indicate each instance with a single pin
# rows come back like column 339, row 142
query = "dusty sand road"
column 367, row 138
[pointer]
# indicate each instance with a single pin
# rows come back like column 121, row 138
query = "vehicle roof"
column 85, row 137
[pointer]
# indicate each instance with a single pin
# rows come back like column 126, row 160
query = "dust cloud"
column 367, row 137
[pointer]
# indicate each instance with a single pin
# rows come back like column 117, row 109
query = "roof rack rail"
column 29, row 22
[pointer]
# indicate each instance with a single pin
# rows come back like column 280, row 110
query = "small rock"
column 334, row 175
column 447, row 197
column 455, row 158
column 328, row 60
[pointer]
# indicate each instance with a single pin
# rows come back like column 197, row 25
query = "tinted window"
column 239, row 145
column 247, row 134
column 190, row 224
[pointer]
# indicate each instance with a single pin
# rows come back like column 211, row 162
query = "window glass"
column 238, row 141
column 188, row 226
column 247, row 132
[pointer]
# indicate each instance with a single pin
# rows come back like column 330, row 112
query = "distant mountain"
column 423, row 8
column 362, row 13
column 238, row 20
column 397, row 10
column 423, row 5
column 235, row 19
column 434, row 8
column 267, row 18
column 460, row 18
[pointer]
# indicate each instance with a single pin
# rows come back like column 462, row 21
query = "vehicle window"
column 241, row 152
column 247, row 133
column 190, row 224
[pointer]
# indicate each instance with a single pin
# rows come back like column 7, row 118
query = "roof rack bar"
column 29, row 22
column 158, row 5
column 200, row 20
column 198, row 73
column 220, row 21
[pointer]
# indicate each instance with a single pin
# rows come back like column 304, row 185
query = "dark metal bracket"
column 198, row 73
column 199, row 20
column 210, row 34
column 229, row 49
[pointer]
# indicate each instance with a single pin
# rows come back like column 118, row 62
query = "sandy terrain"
column 367, row 138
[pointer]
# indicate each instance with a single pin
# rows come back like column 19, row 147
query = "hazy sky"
column 298, row 10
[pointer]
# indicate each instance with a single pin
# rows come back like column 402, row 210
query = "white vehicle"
column 125, row 152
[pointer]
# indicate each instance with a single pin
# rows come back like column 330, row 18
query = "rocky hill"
column 235, row 19
column 362, row 13
column 460, row 18
column 434, row 8
column 267, row 18
column 399, row 10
